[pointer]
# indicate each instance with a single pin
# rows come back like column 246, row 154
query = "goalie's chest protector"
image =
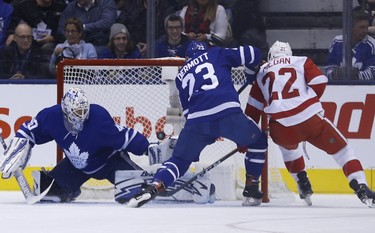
column 90, row 148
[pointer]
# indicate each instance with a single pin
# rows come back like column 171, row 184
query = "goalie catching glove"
column 158, row 153
column 15, row 156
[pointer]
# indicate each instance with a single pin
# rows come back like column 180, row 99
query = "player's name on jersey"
column 192, row 63
column 277, row 61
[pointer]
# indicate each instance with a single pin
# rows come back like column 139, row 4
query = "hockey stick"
column 218, row 41
column 200, row 174
column 183, row 184
column 29, row 195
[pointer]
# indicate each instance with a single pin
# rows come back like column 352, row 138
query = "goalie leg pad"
column 204, row 191
column 17, row 155
column 129, row 183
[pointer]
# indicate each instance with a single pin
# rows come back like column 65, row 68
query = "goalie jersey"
column 89, row 149
column 205, row 84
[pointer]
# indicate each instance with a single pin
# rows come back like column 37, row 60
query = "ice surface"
column 329, row 213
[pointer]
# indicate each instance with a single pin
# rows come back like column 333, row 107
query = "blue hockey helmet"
column 196, row 48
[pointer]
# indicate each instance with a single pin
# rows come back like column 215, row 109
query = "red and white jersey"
column 288, row 90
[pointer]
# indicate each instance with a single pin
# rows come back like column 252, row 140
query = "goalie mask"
column 279, row 49
column 75, row 107
column 195, row 48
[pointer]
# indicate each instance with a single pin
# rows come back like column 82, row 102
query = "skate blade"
column 249, row 201
column 369, row 203
column 136, row 202
column 307, row 200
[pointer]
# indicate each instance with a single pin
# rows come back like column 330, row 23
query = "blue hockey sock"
column 171, row 170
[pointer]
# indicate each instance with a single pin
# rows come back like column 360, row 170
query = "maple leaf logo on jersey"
column 78, row 159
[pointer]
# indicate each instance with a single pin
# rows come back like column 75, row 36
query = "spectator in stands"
column 369, row 7
column 21, row 59
column 174, row 44
column 97, row 17
column 74, row 47
column 119, row 5
column 43, row 17
column 120, row 44
column 253, row 32
column 205, row 18
column 6, row 11
column 363, row 51
column 134, row 16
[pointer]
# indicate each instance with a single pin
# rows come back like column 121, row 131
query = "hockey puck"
column 160, row 135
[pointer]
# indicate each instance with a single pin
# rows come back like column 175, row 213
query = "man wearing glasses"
column 173, row 44
column 21, row 59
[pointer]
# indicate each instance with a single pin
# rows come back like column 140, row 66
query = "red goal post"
column 136, row 94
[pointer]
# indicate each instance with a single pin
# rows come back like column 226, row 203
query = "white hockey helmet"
column 76, row 108
column 279, row 49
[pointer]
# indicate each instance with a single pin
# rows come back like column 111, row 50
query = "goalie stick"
column 29, row 195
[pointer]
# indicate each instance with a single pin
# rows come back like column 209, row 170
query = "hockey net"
column 137, row 94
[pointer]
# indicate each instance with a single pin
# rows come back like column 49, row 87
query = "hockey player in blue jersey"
column 94, row 146
column 212, row 109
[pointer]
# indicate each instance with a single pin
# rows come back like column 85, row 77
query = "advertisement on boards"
column 350, row 108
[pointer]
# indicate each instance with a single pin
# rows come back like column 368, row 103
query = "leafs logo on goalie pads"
column 126, row 189
column 201, row 191
column 129, row 183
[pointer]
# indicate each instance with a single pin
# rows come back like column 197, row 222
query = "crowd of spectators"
column 116, row 29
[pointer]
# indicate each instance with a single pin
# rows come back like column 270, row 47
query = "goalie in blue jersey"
column 94, row 146
column 212, row 109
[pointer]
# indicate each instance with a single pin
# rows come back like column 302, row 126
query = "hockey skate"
column 149, row 192
column 253, row 197
column 366, row 195
column 304, row 187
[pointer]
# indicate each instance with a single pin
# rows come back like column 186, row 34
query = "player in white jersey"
column 288, row 89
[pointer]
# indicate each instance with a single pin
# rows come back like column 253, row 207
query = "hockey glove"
column 158, row 153
column 17, row 155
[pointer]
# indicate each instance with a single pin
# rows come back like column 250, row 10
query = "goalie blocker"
column 16, row 156
column 160, row 152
